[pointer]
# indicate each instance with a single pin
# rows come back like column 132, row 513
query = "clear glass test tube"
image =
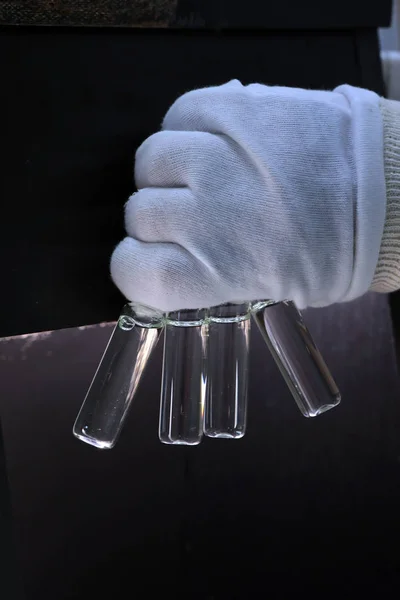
column 184, row 378
column 227, row 374
column 297, row 356
column 115, row 383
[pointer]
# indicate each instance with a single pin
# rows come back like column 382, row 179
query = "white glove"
column 255, row 192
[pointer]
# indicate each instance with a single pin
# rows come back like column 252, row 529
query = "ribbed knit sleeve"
column 387, row 273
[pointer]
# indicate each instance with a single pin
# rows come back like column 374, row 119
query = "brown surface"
column 298, row 505
column 195, row 14
column 111, row 13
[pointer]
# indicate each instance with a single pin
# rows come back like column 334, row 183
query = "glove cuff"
column 369, row 180
column 387, row 273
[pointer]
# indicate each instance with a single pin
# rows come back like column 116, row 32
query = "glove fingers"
column 165, row 158
column 162, row 276
column 196, row 110
column 160, row 214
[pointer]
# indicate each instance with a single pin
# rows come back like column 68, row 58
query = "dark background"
column 297, row 506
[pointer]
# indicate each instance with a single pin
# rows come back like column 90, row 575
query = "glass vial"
column 227, row 376
column 184, row 378
column 297, row 357
column 115, row 383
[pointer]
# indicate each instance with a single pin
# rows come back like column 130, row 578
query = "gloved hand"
column 255, row 192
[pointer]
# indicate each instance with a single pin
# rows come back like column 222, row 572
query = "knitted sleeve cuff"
column 387, row 273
